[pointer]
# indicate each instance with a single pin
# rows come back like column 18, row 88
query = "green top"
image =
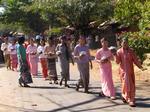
column 21, row 53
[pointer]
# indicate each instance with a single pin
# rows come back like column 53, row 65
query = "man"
column 127, row 58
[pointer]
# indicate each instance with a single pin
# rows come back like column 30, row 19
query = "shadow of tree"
column 45, row 87
column 2, row 65
column 70, row 106
column 143, row 102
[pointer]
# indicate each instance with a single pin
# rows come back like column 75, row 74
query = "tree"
column 16, row 13
column 145, row 16
column 76, row 13
column 133, row 12
column 39, row 16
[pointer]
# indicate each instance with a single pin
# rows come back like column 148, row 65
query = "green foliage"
column 133, row 12
column 17, row 13
column 76, row 13
column 55, row 31
column 140, row 43
column 39, row 16
column 145, row 20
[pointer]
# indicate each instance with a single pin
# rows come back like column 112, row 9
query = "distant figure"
column 104, row 57
column 50, row 53
column 33, row 59
column 125, row 57
column 43, row 58
column 64, row 55
column 4, row 48
column 1, row 52
column 12, row 48
column 38, row 38
column 25, row 77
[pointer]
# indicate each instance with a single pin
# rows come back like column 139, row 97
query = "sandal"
column 77, row 87
column 132, row 104
column 123, row 99
column 101, row 94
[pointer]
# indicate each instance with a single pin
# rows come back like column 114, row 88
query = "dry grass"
column 140, row 75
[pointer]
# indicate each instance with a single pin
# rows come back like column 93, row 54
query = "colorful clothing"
column 83, row 64
column 51, row 62
column 13, row 56
column 106, row 72
column 33, row 59
column 126, row 58
column 43, row 60
column 4, row 48
column 63, row 60
column 25, row 76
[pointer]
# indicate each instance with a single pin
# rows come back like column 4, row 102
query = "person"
column 126, row 57
column 32, row 57
column 49, row 51
column 104, row 58
column 82, row 56
column 64, row 56
column 1, row 52
column 38, row 38
column 26, row 44
column 13, row 54
column 4, row 48
column 43, row 58
column 25, row 76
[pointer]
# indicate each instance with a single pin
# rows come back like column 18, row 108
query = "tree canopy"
column 56, row 13
column 40, row 16
column 133, row 12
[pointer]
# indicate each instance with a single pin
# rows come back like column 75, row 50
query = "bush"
column 140, row 43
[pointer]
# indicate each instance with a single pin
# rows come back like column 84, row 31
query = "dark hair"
column 104, row 39
column 21, row 40
column 63, row 37
column 50, row 38
column 42, row 39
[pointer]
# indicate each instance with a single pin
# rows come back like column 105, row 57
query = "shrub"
column 140, row 43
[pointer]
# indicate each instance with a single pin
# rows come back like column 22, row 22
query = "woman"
column 13, row 55
column 51, row 60
column 4, row 48
column 42, row 58
column 82, row 56
column 33, row 59
column 104, row 57
column 64, row 55
column 126, row 58
column 25, row 76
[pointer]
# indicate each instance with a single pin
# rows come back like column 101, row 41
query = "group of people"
column 28, row 54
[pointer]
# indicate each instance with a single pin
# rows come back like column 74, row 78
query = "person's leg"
column 9, row 62
column 44, row 67
column 85, row 76
column 62, row 78
column 80, row 82
column 22, row 82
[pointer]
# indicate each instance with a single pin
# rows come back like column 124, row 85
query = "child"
column 33, row 60
column 43, row 58
column 13, row 55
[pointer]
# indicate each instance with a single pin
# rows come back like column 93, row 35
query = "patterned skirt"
column 14, row 60
column 52, row 69
column 7, row 60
